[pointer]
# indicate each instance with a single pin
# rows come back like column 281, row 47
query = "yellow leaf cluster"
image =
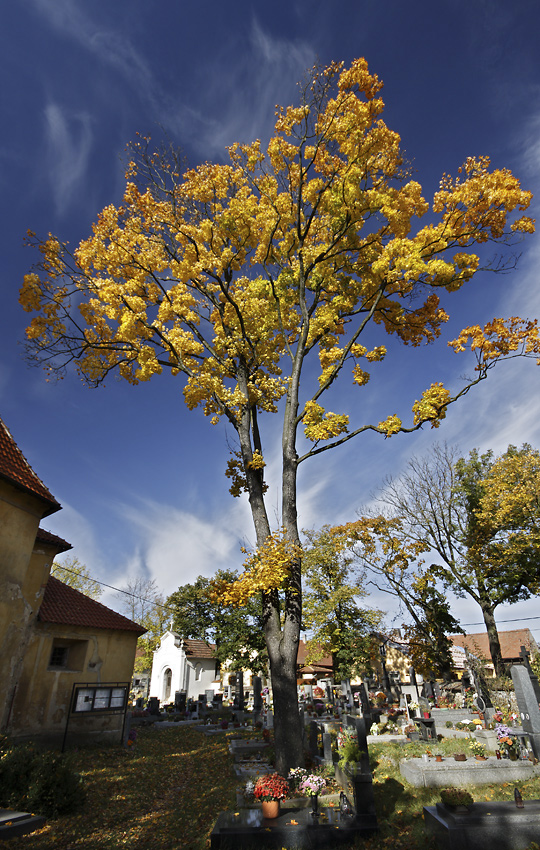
column 322, row 425
column 500, row 338
column 391, row 425
column 432, row 406
column 266, row 569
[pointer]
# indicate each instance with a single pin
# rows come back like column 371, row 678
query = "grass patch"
column 166, row 792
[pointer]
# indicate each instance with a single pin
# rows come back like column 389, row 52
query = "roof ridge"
column 18, row 471
column 65, row 604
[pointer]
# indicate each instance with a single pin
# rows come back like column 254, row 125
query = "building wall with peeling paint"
column 21, row 580
column 44, row 690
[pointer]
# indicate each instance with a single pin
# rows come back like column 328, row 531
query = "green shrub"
column 448, row 724
column 40, row 782
column 15, row 772
column 55, row 789
column 349, row 753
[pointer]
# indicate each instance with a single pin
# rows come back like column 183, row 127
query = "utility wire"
column 117, row 589
column 168, row 608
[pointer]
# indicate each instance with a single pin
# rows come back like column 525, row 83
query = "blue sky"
column 141, row 479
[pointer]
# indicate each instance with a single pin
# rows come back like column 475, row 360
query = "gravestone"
column 239, row 699
column 327, row 748
column 413, row 681
column 347, row 692
column 257, row 694
column 532, row 676
column 364, row 699
column 180, row 700
column 209, row 696
column 313, row 741
column 527, row 705
column 358, row 784
column 153, row 706
column 427, row 692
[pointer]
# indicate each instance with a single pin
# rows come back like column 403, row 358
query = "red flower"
column 271, row 786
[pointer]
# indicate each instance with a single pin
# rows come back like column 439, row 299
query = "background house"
column 511, row 642
column 51, row 636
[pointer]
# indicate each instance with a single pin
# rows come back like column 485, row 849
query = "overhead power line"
column 117, row 589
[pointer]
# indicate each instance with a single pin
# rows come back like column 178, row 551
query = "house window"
column 68, row 654
column 59, row 656
column 167, row 682
column 198, row 672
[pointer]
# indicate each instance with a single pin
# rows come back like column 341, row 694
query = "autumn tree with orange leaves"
column 238, row 276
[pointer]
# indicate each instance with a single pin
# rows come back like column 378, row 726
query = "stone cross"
column 527, row 705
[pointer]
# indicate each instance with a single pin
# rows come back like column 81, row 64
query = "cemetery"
column 374, row 771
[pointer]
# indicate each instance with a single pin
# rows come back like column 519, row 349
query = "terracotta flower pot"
column 270, row 808
column 480, row 758
column 460, row 757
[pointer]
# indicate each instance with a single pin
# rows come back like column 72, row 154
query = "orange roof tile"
column 63, row 604
column 511, row 641
column 323, row 664
column 199, row 648
column 47, row 537
column 15, row 468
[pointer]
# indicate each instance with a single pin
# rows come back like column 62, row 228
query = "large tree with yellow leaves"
column 237, row 276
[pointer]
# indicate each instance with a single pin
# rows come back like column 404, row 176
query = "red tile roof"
column 199, row 648
column 47, row 537
column 323, row 665
column 15, row 468
column 63, row 604
column 510, row 641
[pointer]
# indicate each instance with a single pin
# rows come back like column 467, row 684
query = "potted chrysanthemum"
column 270, row 789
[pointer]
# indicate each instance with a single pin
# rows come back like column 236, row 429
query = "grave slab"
column 292, row 828
column 450, row 773
column 14, row 823
column 486, row 826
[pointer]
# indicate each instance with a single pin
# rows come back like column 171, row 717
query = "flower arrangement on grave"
column 380, row 696
column 413, row 706
column 456, row 797
column 296, row 775
column 477, row 747
column 271, row 786
column 506, row 741
column 349, row 751
column 470, row 697
column 312, row 784
column 248, row 790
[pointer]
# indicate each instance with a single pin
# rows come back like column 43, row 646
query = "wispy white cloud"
column 69, row 144
column 175, row 546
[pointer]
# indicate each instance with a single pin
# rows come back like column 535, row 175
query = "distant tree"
column 394, row 565
column 236, row 631
column 142, row 601
column 77, row 575
column 481, row 514
column 331, row 613
column 265, row 279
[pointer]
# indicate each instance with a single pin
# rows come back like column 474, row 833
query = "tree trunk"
column 493, row 639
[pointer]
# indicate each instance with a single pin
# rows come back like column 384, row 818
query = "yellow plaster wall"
column 20, row 514
column 43, row 693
